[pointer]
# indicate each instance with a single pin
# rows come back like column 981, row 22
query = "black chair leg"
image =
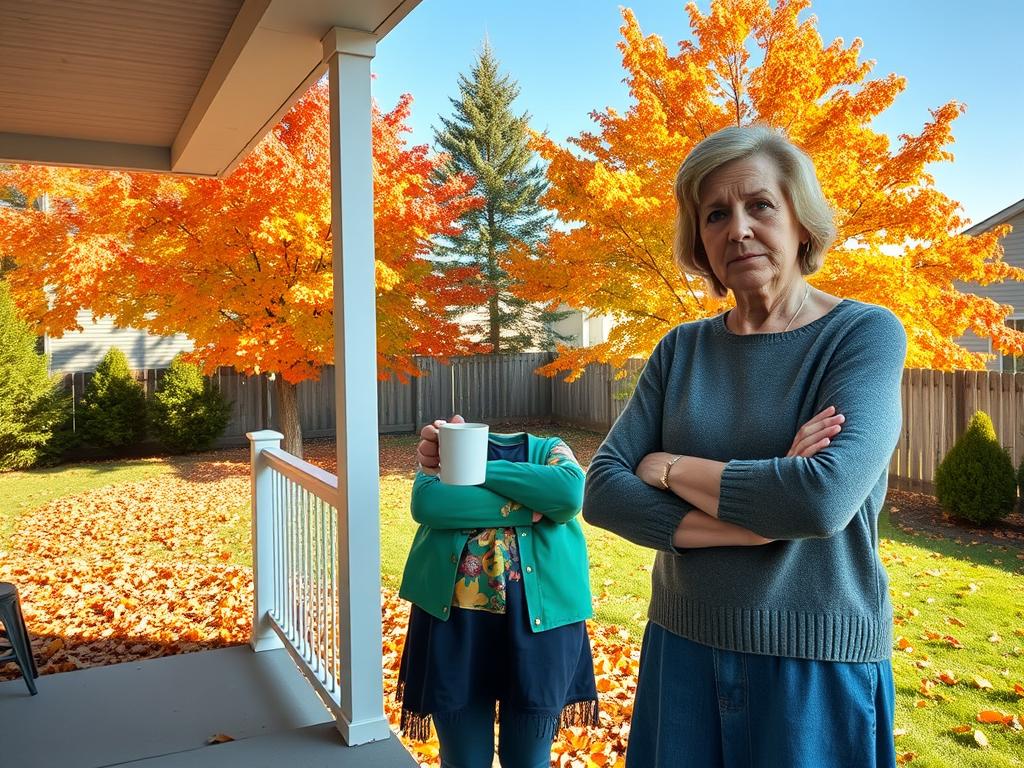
column 17, row 636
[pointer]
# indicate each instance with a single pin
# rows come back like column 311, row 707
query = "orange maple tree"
column 243, row 265
column 899, row 241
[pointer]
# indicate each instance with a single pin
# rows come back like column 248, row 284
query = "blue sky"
column 563, row 54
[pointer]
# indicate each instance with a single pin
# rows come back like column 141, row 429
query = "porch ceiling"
column 162, row 85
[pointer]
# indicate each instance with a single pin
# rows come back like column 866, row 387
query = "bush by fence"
column 976, row 480
column 187, row 413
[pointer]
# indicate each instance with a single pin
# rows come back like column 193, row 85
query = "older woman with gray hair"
column 753, row 457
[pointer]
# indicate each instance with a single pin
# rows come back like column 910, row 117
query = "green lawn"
column 972, row 593
column 937, row 586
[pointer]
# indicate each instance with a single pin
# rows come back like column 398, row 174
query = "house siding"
column 582, row 329
column 1007, row 292
column 83, row 350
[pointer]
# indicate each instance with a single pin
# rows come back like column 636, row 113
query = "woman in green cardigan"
column 499, row 582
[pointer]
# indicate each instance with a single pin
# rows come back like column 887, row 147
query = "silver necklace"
column 807, row 292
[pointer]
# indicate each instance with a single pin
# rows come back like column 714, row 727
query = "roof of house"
column 165, row 85
column 997, row 218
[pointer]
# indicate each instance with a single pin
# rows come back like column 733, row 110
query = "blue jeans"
column 708, row 708
column 466, row 738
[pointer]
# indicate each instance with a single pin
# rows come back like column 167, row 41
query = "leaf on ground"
column 220, row 738
column 994, row 716
column 980, row 682
column 980, row 739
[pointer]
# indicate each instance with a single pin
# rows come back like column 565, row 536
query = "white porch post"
column 348, row 54
column 263, row 637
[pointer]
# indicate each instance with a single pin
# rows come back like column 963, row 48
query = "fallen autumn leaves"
column 142, row 570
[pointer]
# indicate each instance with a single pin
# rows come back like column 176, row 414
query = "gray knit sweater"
column 820, row 591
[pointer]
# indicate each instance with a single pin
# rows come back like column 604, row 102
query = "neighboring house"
column 583, row 329
column 474, row 324
column 83, row 350
column 1007, row 292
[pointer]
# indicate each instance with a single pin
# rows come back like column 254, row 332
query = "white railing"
column 299, row 583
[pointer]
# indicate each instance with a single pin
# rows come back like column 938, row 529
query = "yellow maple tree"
column 243, row 265
column 900, row 243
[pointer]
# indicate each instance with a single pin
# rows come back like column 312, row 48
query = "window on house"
column 1011, row 363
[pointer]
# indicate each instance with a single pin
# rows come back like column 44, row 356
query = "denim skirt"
column 709, row 708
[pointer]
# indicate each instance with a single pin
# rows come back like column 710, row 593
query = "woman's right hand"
column 427, row 452
column 817, row 433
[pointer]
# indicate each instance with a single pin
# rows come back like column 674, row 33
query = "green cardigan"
column 552, row 552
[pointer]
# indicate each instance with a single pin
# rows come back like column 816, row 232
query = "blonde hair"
column 799, row 184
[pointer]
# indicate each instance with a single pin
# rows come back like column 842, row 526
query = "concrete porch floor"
column 160, row 714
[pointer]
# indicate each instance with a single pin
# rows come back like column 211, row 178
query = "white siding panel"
column 974, row 343
column 83, row 350
column 572, row 326
column 1010, row 291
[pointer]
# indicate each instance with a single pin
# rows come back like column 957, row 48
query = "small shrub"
column 1020, row 487
column 113, row 409
column 32, row 403
column 188, row 413
column 976, row 480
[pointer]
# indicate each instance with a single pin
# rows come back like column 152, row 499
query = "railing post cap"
column 264, row 435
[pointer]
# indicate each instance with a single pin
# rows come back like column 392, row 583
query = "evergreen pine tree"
column 32, row 404
column 486, row 141
column 113, row 405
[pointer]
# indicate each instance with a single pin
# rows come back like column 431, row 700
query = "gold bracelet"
column 668, row 468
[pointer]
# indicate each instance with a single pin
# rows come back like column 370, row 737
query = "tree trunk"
column 495, row 326
column 288, row 410
column 492, row 276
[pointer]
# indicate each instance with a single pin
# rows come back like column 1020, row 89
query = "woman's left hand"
column 652, row 468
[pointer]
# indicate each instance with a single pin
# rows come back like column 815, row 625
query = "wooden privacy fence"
column 936, row 405
column 494, row 389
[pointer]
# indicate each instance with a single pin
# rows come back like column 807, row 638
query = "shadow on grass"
column 1001, row 556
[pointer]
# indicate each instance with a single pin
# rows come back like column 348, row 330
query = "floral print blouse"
column 490, row 559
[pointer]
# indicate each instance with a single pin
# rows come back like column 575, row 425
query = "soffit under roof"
column 164, row 85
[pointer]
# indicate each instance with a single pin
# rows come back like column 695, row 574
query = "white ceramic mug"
column 463, row 451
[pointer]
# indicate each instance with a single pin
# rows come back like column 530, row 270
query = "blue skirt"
column 476, row 658
column 710, row 708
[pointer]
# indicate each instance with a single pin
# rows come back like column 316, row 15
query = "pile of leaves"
column 134, row 571
column 151, row 568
